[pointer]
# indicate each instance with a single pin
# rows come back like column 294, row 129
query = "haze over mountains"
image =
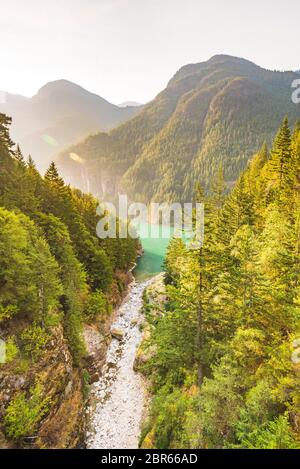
column 130, row 103
column 60, row 114
column 211, row 113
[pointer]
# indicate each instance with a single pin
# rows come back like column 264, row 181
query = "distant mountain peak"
column 61, row 112
column 218, row 60
column 59, row 85
column 221, row 57
column 197, row 123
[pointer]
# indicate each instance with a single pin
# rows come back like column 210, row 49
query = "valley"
column 102, row 350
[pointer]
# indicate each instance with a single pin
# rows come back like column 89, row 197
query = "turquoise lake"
column 155, row 240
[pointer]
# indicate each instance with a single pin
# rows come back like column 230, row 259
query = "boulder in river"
column 117, row 333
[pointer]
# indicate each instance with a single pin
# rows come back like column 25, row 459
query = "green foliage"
column 97, row 306
column 213, row 113
column 168, row 410
column 6, row 143
column 28, row 272
column 53, row 177
column 34, row 340
column 73, row 327
column 273, row 435
column 86, row 379
column 73, row 279
column 233, row 312
column 7, row 312
column 12, row 350
column 53, row 267
column 51, row 262
column 24, row 413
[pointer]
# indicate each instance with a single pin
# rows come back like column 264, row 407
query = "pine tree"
column 30, row 163
column 259, row 160
column 19, row 157
column 238, row 210
column 281, row 157
column 218, row 188
column 6, row 144
column 53, row 176
column 232, row 313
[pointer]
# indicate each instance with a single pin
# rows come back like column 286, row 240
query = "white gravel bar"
column 118, row 398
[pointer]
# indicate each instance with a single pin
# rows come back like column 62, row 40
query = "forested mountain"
column 223, row 351
column 60, row 114
column 55, row 275
column 211, row 113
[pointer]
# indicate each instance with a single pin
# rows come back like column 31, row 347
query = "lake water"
column 155, row 240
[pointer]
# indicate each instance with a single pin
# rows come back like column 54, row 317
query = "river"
column 155, row 240
column 117, row 400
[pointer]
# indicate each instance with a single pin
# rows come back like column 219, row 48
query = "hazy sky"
column 129, row 49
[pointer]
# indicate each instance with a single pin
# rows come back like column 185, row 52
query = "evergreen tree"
column 19, row 157
column 281, row 157
column 53, row 177
column 30, row 163
column 225, row 337
column 6, row 144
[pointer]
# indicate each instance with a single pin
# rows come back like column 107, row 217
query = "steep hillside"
column 211, row 113
column 58, row 285
column 221, row 344
column 60, row 114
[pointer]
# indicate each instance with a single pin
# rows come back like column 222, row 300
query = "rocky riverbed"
column 117, row 399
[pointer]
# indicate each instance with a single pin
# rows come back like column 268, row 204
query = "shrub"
column 34, row 340
column 73, row 327
column 168, row 417
column 23, row 414
column 11, row 349
column 86, row 378
column 97, row 305
column 276, row 434
column 7, row 312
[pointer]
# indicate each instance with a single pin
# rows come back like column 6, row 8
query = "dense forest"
column 55, row 275
column 223, row 349
column 221, row 345
column 211, row 113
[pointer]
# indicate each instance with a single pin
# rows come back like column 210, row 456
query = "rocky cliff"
column 60, row 384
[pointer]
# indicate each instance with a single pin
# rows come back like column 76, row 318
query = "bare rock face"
column 63, row 425
column 93, row 340
column 117, row 333
column 96, row 341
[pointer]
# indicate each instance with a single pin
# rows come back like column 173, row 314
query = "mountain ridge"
column 38, row 121
column 215, row 112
